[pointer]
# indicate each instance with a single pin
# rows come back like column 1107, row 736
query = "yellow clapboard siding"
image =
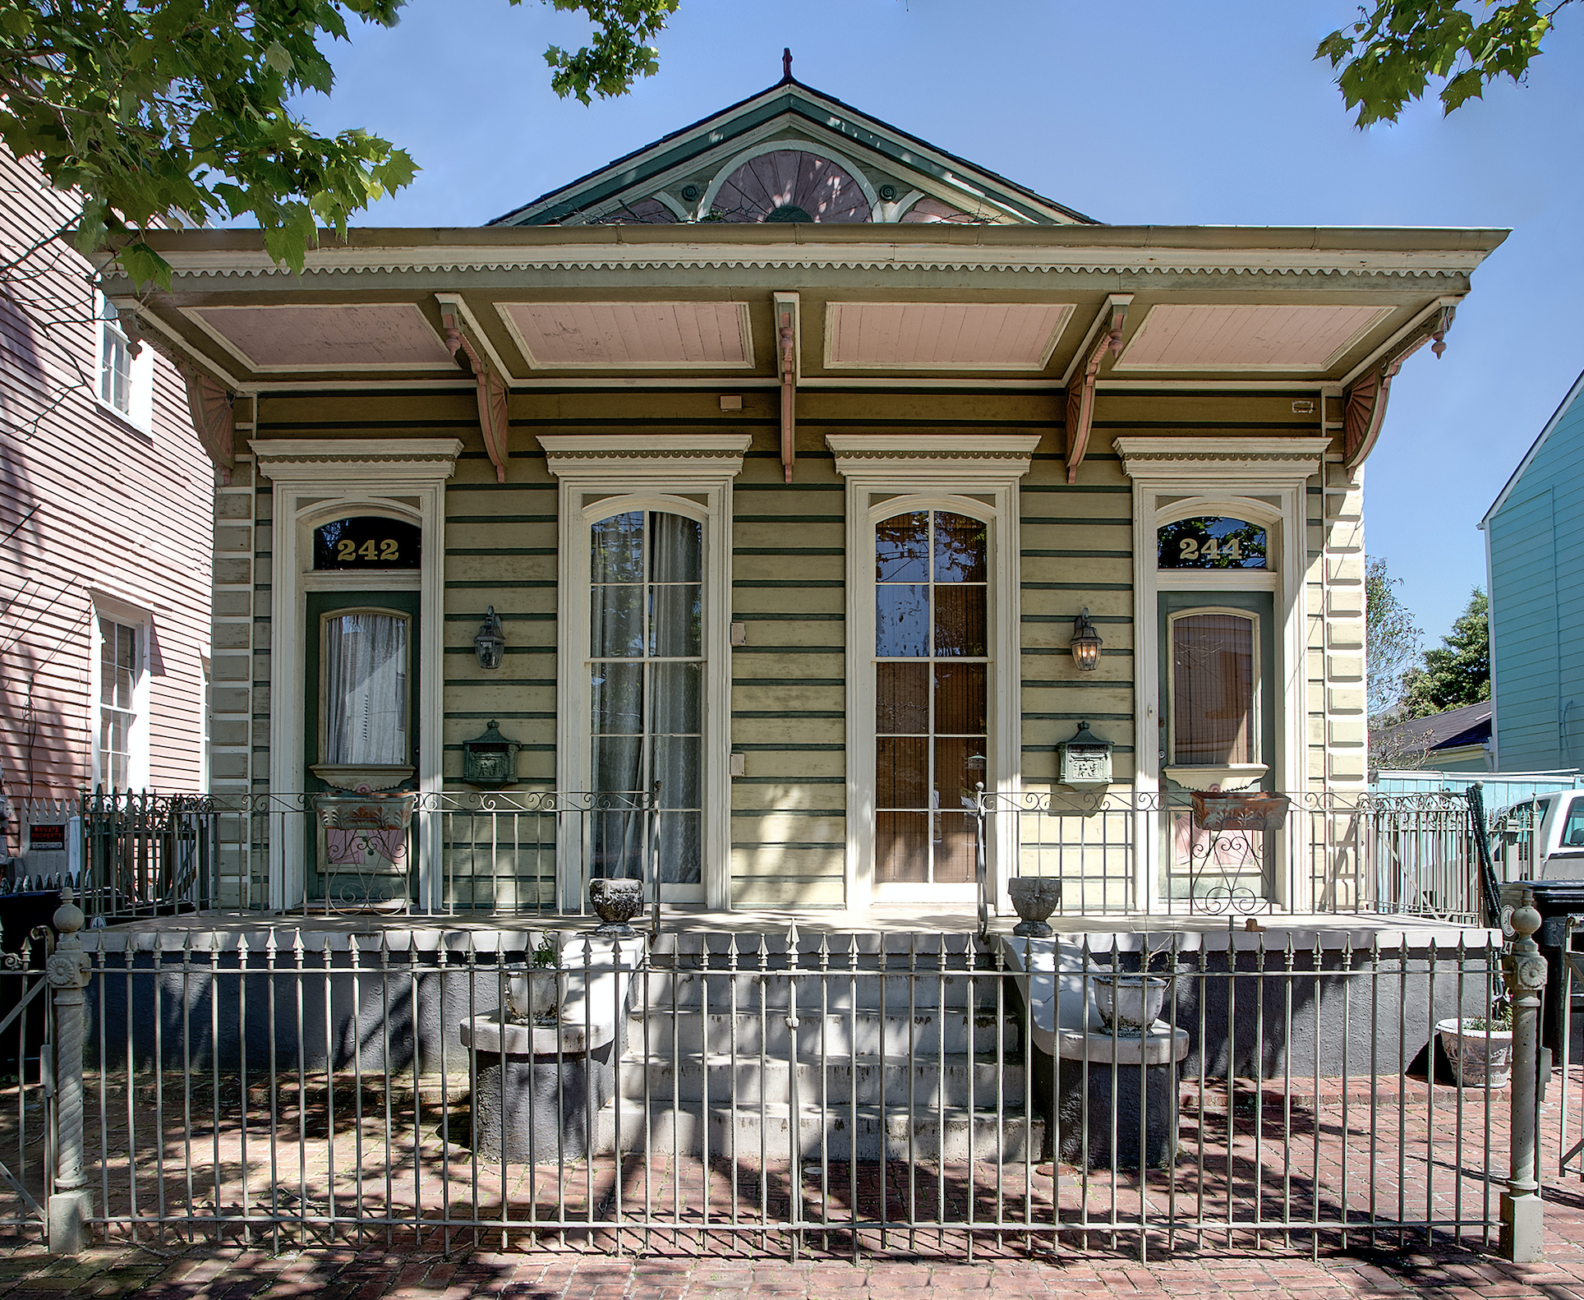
column 780, row 568
column 786, row 699
column 825, row 893
column 780, row 827
column 501, row 568
column 487, row 696
column 782, row 600
column 789, row 731
column 771, row 860
column 787, row 795
column 790, row 667
column 771, row 633
column 790, row 764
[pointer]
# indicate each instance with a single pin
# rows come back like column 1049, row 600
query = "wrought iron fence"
column 1120, row 851
column 152, row 855
column 834, row 1094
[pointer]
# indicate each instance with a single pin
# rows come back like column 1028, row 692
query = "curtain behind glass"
column 365, row 666
column 1213, row 684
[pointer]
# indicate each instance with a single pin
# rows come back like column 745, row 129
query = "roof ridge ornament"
column 786, row 65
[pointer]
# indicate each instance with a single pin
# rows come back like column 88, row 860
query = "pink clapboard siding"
column 115, row 510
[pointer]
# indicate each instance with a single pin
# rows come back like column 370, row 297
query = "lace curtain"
column 366, row 689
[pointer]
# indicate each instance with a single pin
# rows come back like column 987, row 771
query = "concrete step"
column 862, row 1033
column 866, row 990
column 946, row 1134
column 959, row 1081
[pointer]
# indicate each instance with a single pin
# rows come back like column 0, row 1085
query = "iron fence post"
column 1522, row 1222
column 71, row 1203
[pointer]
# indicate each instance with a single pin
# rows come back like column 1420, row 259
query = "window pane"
column 901, row 772
column 901, row 847
column 902, row 699
column 618, row 548
column 617, row 699
column 902, row 548
column 678, row 549
column 959, row 548
column 956, row 836
column 1213, row 683
column 676, row 767
column 617, row 622
column 615, row 768
column 365, row 667
column 678, row 613
column 681, row 845
column 959, row 620
column 960, row 699
column 1573, row 831
column 902, row 620
column 959, row 770
column 678, row 691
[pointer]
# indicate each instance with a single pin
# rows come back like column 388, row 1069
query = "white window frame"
column 316, row 482
column 688, row 475
column 1264, row 481
column 133, row 616
column 139, row 410
column 890, row 474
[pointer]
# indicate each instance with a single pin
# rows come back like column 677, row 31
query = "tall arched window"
column 931, row 668
column 646, row 687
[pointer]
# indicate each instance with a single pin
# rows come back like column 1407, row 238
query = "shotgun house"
column 801, row 517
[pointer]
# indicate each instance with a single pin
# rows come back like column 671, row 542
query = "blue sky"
column 1151, row 111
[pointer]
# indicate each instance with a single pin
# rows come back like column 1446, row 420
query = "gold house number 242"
column 347, row 550
column 1189, row 548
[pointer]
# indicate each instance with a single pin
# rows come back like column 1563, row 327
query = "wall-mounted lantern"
column 1086, row 644
column 490, row 643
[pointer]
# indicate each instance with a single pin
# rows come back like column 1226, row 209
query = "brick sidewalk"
column 341, row 1273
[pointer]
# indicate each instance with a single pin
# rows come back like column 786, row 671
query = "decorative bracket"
column 1365, row 409
column 493, row 394
column 788, row 345
column 1081, row 387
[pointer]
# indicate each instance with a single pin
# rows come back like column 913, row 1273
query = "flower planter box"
column 1477, row 1055
column 1252, row 811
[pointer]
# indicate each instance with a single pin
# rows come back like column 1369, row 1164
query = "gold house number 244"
column 1190, row 548
column 348, row 550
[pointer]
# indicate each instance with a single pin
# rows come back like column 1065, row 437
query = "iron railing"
column 846, row 1094
column 149, row 855
column 1126, row 852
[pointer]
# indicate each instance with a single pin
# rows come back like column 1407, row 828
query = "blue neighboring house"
column 1534, row 557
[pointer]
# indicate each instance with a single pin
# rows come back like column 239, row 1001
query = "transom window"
column 646, row 682
column 1214, row 700
column 120, row 670
column 931, row 667
column 1212, row 542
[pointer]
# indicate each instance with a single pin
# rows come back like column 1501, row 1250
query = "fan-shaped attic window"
column 790, row 185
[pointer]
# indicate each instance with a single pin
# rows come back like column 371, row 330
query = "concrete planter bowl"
column 1130, row 1003
column 1478, row 1056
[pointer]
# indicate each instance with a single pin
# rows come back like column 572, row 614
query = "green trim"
column 789, row 519
column 500, row 519
column 789, row 812
column 1076, row 586
column 790, row 844
column 503, row 584
column 791, row 748
column 500, row 550
column 1035, row 683
column 789, row 681
column 789, row 487
column 788, row 550
column 789, row 780
column 504, row 618
column 1078, row 717
column 1062, row 650
column 788, row 582
column 1124, row 490
column 499, row 487
column 1073, row 555
column 1068, row 618
column 532, row 749
column 498, row 713
column 499, row 681
column 789, row 650
column 1076, row 521
column 1051, row 749
column 511, row 650
column 788, row 618
column 788, row 713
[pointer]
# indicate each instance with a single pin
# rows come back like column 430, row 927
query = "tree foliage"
column 1391, row 639
column 1388, row 58
column 178, row 111
column 1458, row 671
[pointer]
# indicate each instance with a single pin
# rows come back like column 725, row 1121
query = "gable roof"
column 789, row 113
column 1534, row 449
column 1468, row 725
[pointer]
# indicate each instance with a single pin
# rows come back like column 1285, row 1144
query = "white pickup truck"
column 1541, row 838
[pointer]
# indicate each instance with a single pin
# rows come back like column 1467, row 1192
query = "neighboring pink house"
column 105, row 533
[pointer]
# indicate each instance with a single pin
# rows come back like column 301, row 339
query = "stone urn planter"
column 1130, row 1003
column 1478, row 1056
column 616, row 902
column 1035, row 898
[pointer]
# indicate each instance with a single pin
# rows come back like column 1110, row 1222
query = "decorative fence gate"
column 844, row 1094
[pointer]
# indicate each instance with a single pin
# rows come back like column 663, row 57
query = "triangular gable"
column 733, row 165
column 1534, row 448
